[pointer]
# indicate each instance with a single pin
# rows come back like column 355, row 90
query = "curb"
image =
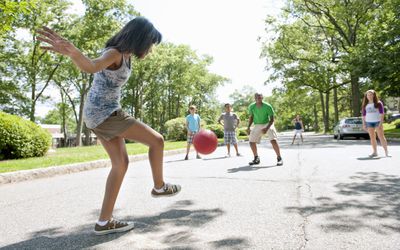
column 25, row 175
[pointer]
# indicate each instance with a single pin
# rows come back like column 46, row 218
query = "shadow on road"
column 215, row 158
column 178, row 217
column 248, row 168
column 368, row 158
column 371, row 200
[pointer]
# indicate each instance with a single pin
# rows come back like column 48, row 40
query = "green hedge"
column 20, row 138
column 217, row 129
column 176, row 129
column 397, row 123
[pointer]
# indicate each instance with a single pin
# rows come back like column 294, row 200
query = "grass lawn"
column 63, row 156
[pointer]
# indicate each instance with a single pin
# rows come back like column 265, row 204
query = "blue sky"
column 227, row 30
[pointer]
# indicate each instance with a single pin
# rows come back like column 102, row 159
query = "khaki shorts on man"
column 256, row 133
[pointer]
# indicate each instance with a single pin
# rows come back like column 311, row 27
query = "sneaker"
column 256, row 161
column 279, row 161
column 228, row 155
column 373, row 155
column 198, row 157
column 388, row 155
column 113, row 226
column 238, row 154
column 168, row 190
column 186, row 158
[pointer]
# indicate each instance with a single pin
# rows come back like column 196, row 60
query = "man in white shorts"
column 262, row 115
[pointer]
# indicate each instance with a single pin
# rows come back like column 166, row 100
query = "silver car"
column 349, row 127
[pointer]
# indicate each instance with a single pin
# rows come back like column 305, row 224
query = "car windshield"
column 353, row 121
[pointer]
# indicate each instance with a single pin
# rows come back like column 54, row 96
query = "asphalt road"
column 327, row 195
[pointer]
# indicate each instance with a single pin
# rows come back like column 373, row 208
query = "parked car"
column 393, row 117
column 349, row 127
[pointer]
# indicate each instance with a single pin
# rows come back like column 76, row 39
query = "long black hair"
column 136, row 37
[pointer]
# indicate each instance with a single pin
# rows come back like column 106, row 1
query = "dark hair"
column 227, row 104
column 135, row 37
column 365, row 99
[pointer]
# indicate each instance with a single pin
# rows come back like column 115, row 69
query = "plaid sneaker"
column 113, row 226
column 168, row 190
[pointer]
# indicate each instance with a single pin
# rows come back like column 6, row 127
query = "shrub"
column 20, row 138
column 217, row 129
column 176, row 129
column 397, row 123
column 242, row 131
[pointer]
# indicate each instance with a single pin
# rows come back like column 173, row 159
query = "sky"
column 227, row 30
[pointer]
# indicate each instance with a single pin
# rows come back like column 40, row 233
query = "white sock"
column 102, row 222
column 160, row 190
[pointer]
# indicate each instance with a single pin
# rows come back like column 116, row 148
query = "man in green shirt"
column 262, row 115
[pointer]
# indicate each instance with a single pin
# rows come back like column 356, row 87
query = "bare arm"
column 62, row 46
column 271, row 121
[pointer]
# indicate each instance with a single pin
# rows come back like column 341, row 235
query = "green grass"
column 63, row 156
column 391, row 131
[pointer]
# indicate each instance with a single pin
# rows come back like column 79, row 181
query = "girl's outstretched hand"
column 58, row 43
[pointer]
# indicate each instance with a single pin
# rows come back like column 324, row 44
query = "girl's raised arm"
column 62, row 46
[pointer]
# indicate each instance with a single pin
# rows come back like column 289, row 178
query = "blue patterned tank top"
column 105, row 94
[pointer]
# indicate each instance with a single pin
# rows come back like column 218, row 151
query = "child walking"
column 193, row 126
column 231, row 122
column 372, row 117
column 103, row 113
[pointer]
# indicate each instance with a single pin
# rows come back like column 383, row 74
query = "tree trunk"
column 87, row 135
column 63, row 119
column 355, row 93
column 80, row 119
column 321, row 96
column 316, row 128
column 326, row 119
column 335, row 106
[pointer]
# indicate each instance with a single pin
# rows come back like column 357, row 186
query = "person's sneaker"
column 167, row 190
column 186, row 158
column 388, row 155
column 238, row 154
column 373, row 155
column 113, row 226
column 227, row 155
column 198, row 157
column 279, row 161
column 256, row 161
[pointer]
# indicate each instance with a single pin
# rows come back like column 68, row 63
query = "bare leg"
column 253, row 147
column 142, row 133
column 188, row 149
column 119, row 160
column 236, row 148
column 294, row 137
column 275, row 146
column 372, row 138
column 228, row 147
column 301, row 136
column 382, row 139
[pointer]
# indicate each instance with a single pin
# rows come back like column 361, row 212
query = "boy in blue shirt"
column 193, row 126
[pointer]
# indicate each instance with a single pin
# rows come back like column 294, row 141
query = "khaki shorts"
column 256, row 133
column 114, row 125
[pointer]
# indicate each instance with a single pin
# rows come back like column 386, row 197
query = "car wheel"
column 340, row 136
column 334, row 136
